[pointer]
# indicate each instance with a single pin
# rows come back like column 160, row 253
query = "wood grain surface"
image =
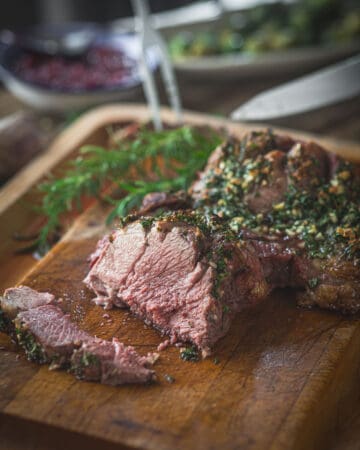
column 287, row 378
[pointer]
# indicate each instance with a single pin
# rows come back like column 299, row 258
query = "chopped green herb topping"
column 4, row 323
column 33, row 349
column 89, row 359
column 190, row 354
column 326, row 218
column 86, row 360
column 147, row 222
column 219, row 257
column 226, row 309
column 313, row 282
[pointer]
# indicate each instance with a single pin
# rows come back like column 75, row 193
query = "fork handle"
column 171, row 87
column 142, row 10
column 151, row 94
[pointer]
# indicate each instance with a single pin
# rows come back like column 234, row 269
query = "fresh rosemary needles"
column 182, row 151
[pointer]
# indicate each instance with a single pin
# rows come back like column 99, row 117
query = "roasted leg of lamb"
column 266, row 212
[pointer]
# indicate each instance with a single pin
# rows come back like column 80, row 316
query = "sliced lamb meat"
column 110, row 363
column 22, row 298
column 18, row 299
column 292, row 211
column 49, row 336
column 100, row 247
column 176, row 276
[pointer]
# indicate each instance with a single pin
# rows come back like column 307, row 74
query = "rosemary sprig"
column 183, row 152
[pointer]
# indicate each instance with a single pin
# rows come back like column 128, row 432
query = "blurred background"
column 57, row 11
column 224, row 52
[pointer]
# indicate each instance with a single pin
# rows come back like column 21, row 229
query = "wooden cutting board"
column 286, row 378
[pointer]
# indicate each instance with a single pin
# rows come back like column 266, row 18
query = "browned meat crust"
column 165, row 200
column 304, row 200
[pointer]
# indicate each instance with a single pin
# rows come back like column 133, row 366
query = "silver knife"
column 324, row 87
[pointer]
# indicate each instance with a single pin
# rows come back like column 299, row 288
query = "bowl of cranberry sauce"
column 108, row 70
column 100, row 67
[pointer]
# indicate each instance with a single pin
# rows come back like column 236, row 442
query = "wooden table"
column 220, row 98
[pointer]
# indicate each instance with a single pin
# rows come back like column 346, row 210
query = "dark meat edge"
column 87, row 357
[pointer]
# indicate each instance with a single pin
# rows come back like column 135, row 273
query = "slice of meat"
column 179, row 278
column 49, row 336
column 22, row 298
column 110, row 363
column 100, row 247
column 114, row 264
column 18, row 299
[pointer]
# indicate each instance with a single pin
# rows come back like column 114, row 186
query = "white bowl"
column 61, row 100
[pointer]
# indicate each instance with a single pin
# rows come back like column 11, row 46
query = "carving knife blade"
column 321, row 88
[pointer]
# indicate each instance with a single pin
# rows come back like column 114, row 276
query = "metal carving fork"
column 151, row 38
